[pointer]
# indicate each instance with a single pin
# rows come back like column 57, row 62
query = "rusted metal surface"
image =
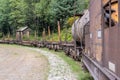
column 87, row 39
column 26, row 43
column 97, row 71
column 103, row 47
column 78, row 26
column 112, row 50
column 119, row 12
column 95, row 30
column 111, row 45
column 69, row 45
column 8, row 41
column 40, row 44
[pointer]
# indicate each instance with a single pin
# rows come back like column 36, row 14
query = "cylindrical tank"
column 78, row 26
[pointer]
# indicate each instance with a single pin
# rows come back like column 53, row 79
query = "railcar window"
column 110, row 12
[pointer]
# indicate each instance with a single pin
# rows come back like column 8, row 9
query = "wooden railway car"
column 101, row 55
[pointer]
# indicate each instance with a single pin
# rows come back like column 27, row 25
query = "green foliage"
column 70, row 21
column 0, row 35
column 65, row 35
column 26, row 38
column 31, row 37
column 37, row 14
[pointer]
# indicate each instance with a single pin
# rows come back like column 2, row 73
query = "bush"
column 71, row 20
column 0, row 35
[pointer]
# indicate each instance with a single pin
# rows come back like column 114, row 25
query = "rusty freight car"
column 101, row 55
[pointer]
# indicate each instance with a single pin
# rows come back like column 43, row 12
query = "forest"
column 38, row 14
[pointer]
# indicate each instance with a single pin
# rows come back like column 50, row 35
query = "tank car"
column 78, row 27
column 78, row 34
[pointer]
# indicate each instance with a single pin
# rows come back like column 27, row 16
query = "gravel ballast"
column 59, row 69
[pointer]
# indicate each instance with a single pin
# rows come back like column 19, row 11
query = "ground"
column 26, row 63
column 20, row 63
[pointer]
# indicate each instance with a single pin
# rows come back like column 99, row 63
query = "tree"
column 4, row 17
column 37, row 14
column 17, row 16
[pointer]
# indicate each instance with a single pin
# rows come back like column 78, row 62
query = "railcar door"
column 111, row 36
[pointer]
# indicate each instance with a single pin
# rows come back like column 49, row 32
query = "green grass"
column 64, row 31
column 31, row 38
column 74, row 65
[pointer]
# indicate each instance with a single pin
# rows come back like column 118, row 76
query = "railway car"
column 40, row 44
column 96, row 38
column 101, row 55
column 53, row 45
column 78, row 34
column 68, row 48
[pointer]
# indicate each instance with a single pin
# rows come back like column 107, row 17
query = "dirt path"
column 19, row 63
column 25, row 63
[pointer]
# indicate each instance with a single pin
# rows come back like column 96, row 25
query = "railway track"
column 68, row 47
column 96, row 40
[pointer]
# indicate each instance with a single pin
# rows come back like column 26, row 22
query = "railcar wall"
column 112, row 45
column 95, row 30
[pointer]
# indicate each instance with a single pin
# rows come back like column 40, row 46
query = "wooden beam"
column 49, row 33
column 59, row 34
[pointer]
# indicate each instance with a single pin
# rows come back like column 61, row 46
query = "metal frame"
column 102, row 28
column 110, row 13
column 119, row 13
column 90, row 62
